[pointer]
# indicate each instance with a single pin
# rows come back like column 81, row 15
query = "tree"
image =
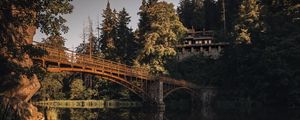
column 91, row 49
column 126, row 44
column 143, row 25
column 108, row 30
column 151, row 2
column 77, row 89
column 264, row 71
column 248, row 21
column 52, row 87
column 166, row 29
column 55, row 41
column 191, row 13
column 211, row 15
column 229, row 12
column 18, row 23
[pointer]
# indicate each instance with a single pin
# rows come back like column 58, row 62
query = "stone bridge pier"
column 202, row 97
column 207, row 96
column 155, row 93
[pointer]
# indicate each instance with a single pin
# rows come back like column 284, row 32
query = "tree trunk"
column 21, row 91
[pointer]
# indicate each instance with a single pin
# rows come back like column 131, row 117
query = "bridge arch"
column 186, row 89
column 138, row 80
column 113, row 78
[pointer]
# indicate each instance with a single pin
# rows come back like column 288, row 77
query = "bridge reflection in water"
column 151, row 88
column 139, row 114
column 121, row 114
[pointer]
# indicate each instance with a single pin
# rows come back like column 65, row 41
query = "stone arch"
column 188, row 90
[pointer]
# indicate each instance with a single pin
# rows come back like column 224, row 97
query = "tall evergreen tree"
column 144, row 23
column 211, row 15
column 198, row 14
column 126, row 45
column 185, row 12
column 108, row 33
column 191, row 13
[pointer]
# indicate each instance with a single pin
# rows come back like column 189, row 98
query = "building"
column 199, row 42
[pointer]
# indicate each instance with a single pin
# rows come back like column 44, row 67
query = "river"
column 140, row 113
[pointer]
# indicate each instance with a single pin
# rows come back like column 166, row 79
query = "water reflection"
column 142, row 114
column 124, row 114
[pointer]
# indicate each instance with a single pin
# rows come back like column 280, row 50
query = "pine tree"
column 198, row 14
column 185, row 12
column 126, row 45
column 144, row 24
column 210, row 15
column 108, row 31
column 159, row 42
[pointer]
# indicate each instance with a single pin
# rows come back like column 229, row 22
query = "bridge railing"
column 73, row 58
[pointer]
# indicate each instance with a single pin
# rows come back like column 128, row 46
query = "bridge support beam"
column 156, row 94
column 207, row 96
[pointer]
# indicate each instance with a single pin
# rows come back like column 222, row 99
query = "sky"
column 93, row 9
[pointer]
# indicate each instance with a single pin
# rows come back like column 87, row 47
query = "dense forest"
column 261, row 66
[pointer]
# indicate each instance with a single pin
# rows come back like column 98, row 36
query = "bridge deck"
column 67, row 60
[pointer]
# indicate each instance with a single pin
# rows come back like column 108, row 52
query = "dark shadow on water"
column 195, row 114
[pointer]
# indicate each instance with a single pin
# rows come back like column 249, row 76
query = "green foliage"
column 126, row 46
column 18, row 21
column 265, row 71
column 248, row 21
column 165, row 30
column 46, row 15
column 197, row 69
column 191, row 13
column 52, row 87
column 231, row 11
column 55, row 41
column 82, row 114
column 198, row 14
column 90, row 93
column 77, row 89
column 108, row 38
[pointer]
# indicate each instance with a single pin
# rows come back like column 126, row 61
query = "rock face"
column 21, row 91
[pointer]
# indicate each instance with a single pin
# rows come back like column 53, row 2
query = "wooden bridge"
column 149, row 87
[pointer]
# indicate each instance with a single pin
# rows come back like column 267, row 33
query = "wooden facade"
column 199, row 42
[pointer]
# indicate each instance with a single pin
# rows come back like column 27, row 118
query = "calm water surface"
column 195, row 114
